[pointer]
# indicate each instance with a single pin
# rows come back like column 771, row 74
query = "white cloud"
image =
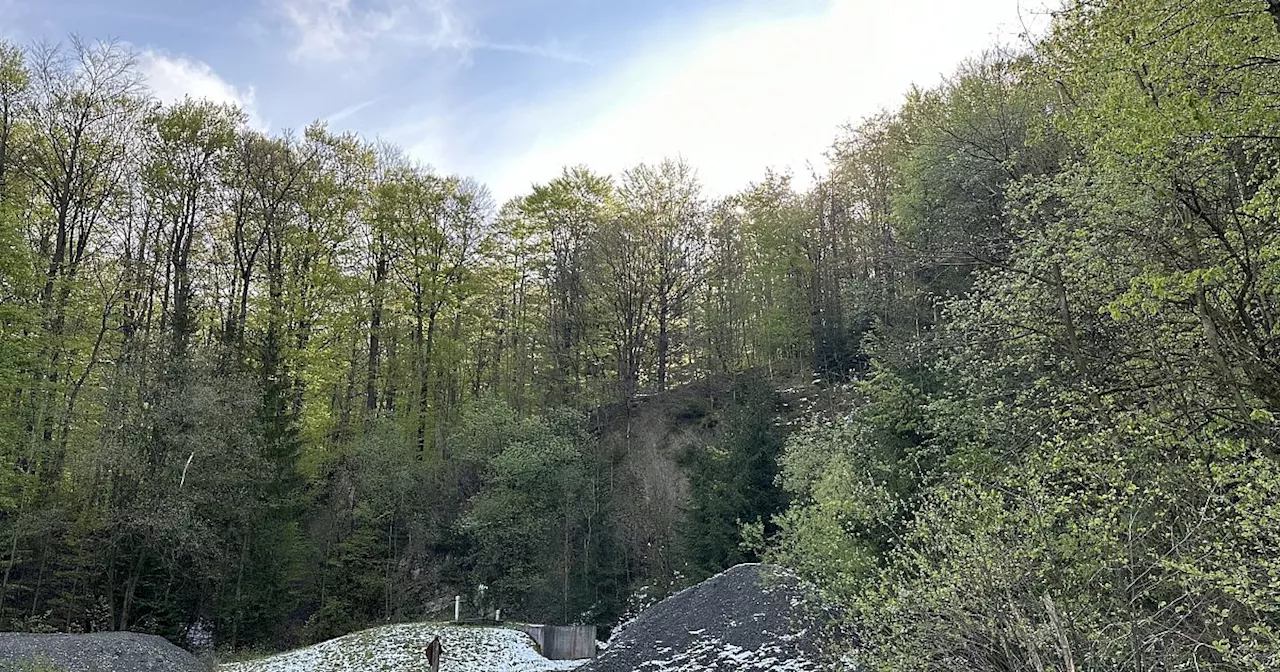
column 333, row 30
column 172, row 78
column 746, row 93
column 352, row 31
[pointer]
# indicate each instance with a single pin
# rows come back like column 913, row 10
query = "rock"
column 748, row 618
column 99, row 652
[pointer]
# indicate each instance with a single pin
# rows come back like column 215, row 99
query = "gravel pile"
column 747, row 618
column 99, row 652
column 402, row 648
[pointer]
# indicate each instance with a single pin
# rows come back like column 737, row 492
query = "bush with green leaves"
column 1090, row 476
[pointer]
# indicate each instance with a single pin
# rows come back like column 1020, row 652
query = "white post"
column 457, row 607
column 498, row 616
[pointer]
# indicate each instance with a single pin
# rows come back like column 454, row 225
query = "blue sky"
column 509, row 91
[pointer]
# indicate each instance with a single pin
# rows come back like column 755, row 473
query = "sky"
column 511, row 91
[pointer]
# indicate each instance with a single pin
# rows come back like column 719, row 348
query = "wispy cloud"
column 552, row 50
column 331, row 31
column 325, row 29
column 351, row 110
column 172, row 78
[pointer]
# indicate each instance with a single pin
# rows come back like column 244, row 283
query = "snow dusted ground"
column 749, row 618
column 402, row 648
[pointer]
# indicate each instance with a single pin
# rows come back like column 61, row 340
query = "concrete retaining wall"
column 562, row 642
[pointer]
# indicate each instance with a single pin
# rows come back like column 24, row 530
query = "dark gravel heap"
column 100, row 652
column 750, row 617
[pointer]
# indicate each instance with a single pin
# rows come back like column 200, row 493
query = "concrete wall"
column 562, row 642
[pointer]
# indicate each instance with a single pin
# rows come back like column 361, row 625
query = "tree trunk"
column 375, row 334
column 664, row 338
column 130, row 588
column 239, row 608
column 8, row 570
column 1073, row 336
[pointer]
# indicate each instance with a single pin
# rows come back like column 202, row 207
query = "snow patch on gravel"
column 401, row 648
column 750, row 618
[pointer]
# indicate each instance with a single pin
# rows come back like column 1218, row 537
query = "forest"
column 271, row 388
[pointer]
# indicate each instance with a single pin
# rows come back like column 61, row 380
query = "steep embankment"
column 397, row 648
column 654, row 441
column 99, row 652
column 749, row 618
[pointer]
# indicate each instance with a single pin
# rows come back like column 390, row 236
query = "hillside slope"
column 654, row 443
